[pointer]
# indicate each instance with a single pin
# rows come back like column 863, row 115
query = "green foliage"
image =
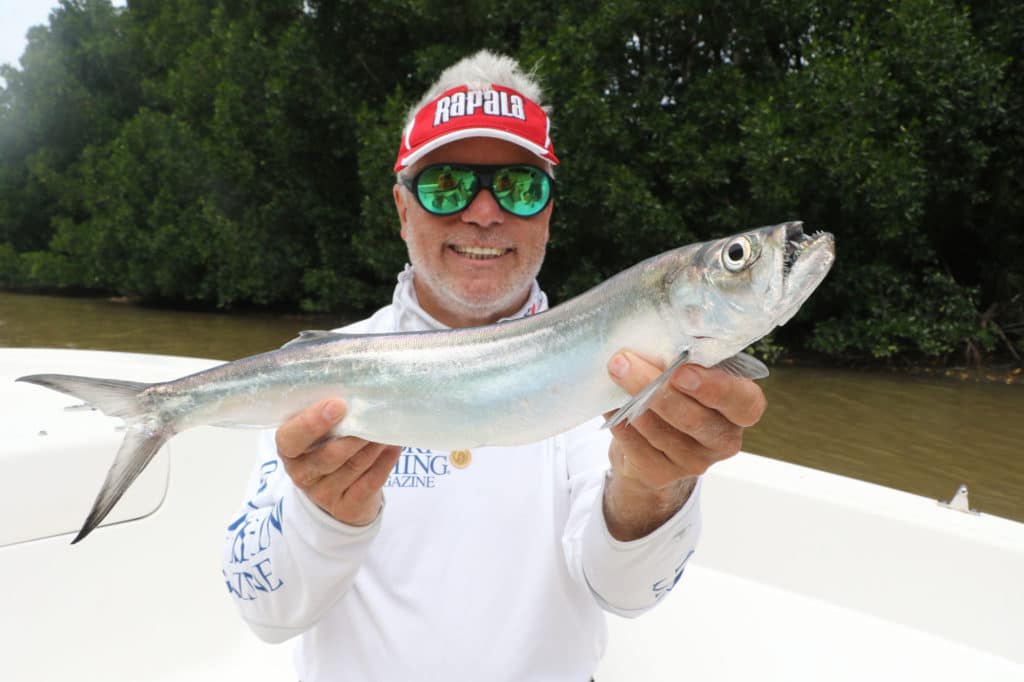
column 767, row 350
column 908, row 314
column 47, row 270
column 232, row 152
column 10, row 266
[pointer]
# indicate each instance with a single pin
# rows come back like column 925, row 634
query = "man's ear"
column 401, row 208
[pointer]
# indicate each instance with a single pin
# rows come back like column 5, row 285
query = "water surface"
column 925, row 435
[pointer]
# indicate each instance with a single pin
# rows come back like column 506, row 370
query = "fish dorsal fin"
column 315, row 336
column 744, row 365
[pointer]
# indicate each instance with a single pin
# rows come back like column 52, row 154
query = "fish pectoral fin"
column 744, row 365
column 636, row 406
column 314, row 336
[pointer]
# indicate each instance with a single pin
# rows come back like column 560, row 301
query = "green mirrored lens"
column 522, row 190
column 447, row 189
column 444, row 189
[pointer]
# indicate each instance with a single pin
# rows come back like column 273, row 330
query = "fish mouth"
column 797, row 244
column 806, row 260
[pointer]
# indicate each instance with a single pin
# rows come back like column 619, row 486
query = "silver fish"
column 504, row 384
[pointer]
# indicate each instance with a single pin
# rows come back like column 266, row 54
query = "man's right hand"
column 342, row 476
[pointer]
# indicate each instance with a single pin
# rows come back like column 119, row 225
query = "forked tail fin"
column 145, row 433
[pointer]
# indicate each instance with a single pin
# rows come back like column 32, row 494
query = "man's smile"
column 480, row 252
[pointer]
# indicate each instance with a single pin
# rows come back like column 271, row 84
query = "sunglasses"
column 448, row 188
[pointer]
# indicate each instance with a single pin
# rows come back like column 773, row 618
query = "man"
column 498, row 563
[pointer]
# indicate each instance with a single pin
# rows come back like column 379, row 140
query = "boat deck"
column 804, row 575
column 801, row 575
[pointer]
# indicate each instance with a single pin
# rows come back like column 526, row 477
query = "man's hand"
column 691, row 423
column 342, row 476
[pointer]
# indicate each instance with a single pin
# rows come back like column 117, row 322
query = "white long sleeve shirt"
column 494, row 564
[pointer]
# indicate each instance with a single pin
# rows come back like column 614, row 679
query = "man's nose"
column 483, row 210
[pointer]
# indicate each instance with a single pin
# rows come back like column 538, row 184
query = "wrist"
column 364, row 515
column 340, row 515
column 633, row 510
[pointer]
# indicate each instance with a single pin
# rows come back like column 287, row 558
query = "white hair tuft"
column 480, row 71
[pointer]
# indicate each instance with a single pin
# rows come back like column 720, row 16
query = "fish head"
column 730, row 292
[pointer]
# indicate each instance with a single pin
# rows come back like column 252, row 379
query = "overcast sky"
column 16, row 16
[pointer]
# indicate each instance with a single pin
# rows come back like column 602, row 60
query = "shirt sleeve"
column 286, row 561
column 626, row 578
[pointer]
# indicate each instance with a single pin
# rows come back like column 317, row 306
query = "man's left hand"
column 697, row 419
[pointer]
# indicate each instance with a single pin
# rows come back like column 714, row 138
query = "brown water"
column 58, row 322
column 925, row 435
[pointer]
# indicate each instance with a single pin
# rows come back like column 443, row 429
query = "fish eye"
column 736, row 254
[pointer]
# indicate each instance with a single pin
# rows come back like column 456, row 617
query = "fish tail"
column 139, row 446
column 145, row 433
column 112, row 397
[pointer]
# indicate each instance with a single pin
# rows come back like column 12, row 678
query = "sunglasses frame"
column 484, row 175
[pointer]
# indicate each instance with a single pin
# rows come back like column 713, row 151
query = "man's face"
column 476, row 266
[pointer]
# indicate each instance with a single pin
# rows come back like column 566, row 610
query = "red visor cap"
column 462, row 112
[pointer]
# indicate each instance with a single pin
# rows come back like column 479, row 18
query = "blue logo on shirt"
column 418, row 468
column 665, row 585
column 252, row 536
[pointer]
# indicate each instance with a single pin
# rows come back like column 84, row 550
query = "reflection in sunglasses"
column 447, row 189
